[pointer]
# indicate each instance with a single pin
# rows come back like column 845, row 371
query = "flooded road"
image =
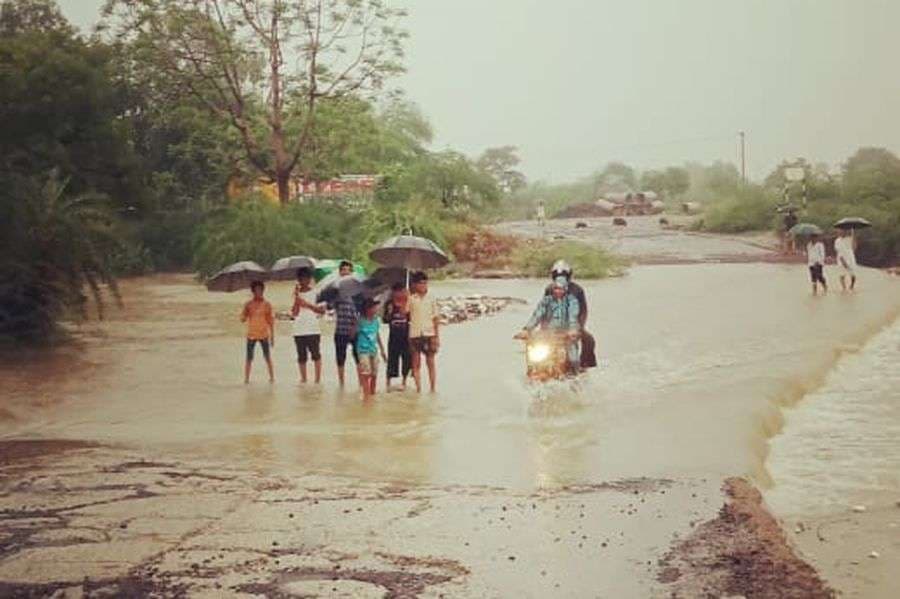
column 696, row 361
column 644, row 240
column 490, row 487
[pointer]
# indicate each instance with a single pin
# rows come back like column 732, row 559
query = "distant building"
column 630, row 203
column 353, row 190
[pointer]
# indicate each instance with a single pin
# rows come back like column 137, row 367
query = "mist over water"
column 696, row 363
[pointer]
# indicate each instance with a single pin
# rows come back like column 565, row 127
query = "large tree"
column 60, row 105
column 501, row 163
column 263, row 66
column 20, row 16
column 872, row 172
column 673, row 181
column 615, row 176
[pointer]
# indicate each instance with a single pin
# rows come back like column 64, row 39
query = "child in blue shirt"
column 369, row 346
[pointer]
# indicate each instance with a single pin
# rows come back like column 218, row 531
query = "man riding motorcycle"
column 561, row 268
column 558, row 312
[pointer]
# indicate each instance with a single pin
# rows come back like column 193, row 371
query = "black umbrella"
column 237, row 276
column 387, row 276
column 409, row 252
column 285, row 269
column 852, row 222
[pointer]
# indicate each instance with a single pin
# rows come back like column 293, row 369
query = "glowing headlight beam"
column 538, row 353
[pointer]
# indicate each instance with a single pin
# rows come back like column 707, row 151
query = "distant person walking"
column 815, row 259
column 306, row 328
column 369, row 347
column 424, row 321
column 396, row 315
column 258, row 315
column 787, row 240
column 346, row 319
column 845, row 248
column 541, row 214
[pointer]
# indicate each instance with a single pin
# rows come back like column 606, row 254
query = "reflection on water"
column 695, row 362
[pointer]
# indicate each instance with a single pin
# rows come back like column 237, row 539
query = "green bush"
column 879, row 245
column 589, row 262
column 55, row 249
column 747, row 209
column 254, row 229
column 416, row 217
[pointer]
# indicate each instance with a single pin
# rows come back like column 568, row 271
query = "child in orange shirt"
column 260, row 328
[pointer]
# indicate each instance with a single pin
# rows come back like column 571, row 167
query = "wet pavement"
column 645, row 241
column 108, row 522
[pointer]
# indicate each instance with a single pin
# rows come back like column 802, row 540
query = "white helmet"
column 561, row 268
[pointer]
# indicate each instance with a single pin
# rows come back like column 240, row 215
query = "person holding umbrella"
column 846, row 257
column 260, row 319
column 396, row 315
column 845, row 248
column 815, row 259
column 424, row 323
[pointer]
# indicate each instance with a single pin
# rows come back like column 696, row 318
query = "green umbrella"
column 805, row 230
column 327, row 266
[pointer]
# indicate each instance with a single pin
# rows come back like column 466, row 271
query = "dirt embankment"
column 742, row 552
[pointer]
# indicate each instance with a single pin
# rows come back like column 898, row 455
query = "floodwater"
column 848, row 432
column 698, row 363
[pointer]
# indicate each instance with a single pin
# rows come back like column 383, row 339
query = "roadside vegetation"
column 867, row 184
column 120, row 154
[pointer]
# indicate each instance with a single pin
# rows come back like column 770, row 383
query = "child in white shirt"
column 815, row 258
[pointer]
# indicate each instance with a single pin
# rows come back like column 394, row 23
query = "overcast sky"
column 577, row 83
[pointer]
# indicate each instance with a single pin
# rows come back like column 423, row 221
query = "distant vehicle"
column 581, row 225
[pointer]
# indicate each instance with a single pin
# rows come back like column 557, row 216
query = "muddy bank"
column 742, row 552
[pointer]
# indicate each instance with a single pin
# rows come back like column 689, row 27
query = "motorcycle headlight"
column 538, row 352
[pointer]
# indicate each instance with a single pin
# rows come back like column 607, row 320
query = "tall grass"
column 749, row 208
column 535, row 259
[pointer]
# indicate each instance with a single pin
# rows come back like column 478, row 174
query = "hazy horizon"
column 649, row 83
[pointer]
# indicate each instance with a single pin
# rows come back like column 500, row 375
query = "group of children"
column 412, row 318
column 844, row 248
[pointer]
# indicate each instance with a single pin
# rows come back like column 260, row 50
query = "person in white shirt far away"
column 844, row 247
column 815, row 258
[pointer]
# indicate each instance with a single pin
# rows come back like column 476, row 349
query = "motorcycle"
column 546, row 355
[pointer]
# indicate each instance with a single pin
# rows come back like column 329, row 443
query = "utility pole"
column 743, row 158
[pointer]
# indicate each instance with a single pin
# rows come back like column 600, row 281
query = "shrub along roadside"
column 747, row 209
column 878, row 245
column 55, row 254
column 256, row 230
column 535, row 259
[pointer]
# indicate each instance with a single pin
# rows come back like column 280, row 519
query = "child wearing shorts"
column 369, row 346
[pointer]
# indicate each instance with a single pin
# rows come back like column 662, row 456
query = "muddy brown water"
column 697, row 364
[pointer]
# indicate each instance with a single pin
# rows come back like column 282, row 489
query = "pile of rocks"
column 469, row 307
column 459, row 308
